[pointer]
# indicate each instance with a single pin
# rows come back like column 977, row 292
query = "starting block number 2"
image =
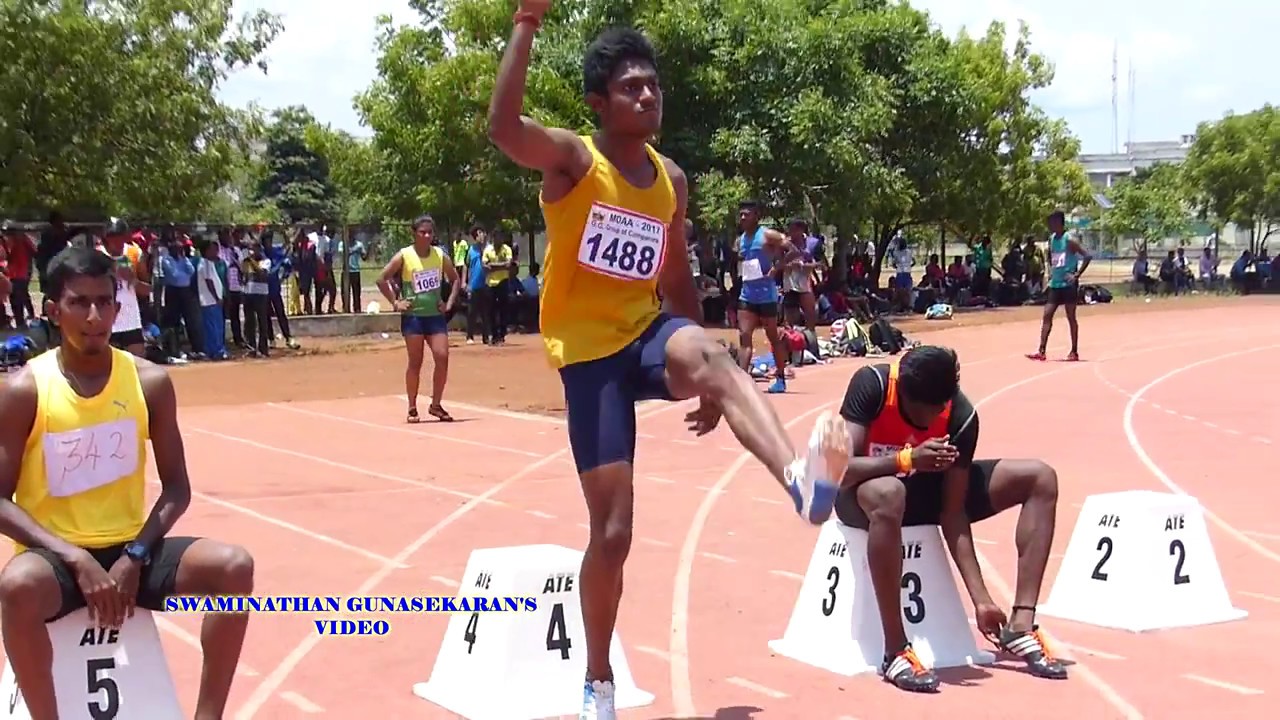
column 1106, row 546
column 557, row 634
column 106, row 706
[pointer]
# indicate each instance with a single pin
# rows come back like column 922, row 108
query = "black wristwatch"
column 137, row 552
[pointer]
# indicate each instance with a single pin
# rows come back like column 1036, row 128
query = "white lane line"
column 449, row 582
column 652, row 651
column 661, row 481
column 178, row 632
column 756, row 687
column 1259, row 596
column 787, row 574
column 768, row 501
column 1264, row 536
column 1090, row 651
column 404, row 431
column 714, row 556
column 655, row 542
column 1240, row 689
column 980, row 541
column 300, row 702
column 540, row 514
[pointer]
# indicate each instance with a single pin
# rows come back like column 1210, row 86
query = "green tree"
column 110, row 106
column 1233, row 171
column 1149, row 207
column 295, row 178
column 354, row 169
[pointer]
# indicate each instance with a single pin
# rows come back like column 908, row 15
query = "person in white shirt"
column 903, row 262
column 1208, row 268
column 212, row 296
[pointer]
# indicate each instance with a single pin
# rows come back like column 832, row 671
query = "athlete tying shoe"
column 914, row 435
column 73, row 464
column 615, row 218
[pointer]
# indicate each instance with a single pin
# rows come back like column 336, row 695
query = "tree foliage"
column 856, row 113
column 295, row 177
column 110, row 106
column 1151, row 206
column 1233, row 171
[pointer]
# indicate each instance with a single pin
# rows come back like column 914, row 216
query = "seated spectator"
column 1141, row 274
column 934, row 276
column 525, row 294
column 1240, row 275
column 957, row 278
column 1182, row 273
column 1169, row 273
column 1034, row 258
column 1208, row 268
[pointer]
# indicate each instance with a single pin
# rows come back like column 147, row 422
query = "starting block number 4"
column 540, row 655
column 1140, row 561
column 103, row 674
column 835, row 624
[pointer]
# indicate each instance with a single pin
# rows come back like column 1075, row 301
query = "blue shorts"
column 904, row 280
column 600, row 396
column 424, row 325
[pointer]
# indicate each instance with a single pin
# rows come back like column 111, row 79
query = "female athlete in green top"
column 412, row 283
column 1067, row 262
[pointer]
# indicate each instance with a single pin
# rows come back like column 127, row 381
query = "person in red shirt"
column 21, row 251
column 915, row 435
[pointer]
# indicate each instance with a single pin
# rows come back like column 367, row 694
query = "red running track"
column 342, row 498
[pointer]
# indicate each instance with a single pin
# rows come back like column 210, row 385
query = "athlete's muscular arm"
column 1085, row 255
column 455, row 287
column 386, row 281
column 676, row 280
column 862, row 403
column 550, row 151
column 954, row 519
column 18, row 403
column 170, row 456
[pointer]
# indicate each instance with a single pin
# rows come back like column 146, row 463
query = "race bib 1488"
column 622, row 243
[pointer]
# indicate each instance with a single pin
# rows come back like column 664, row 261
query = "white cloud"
column 1192, row 61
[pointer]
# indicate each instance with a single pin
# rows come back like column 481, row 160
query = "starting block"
column 835, row 624
column 1140, row 561
column 103, row 674
column 539, row 657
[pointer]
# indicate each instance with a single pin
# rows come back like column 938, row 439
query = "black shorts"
column 760, row 310
column 155, row 583
column 791, row 298
column 924, row 499
column 1069, row 295
column 124, row 339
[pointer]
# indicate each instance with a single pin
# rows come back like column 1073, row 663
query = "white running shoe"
column 597, row 701
column 815, row 478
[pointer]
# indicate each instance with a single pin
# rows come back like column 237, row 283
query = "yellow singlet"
column 606, row 241
column 83, row 475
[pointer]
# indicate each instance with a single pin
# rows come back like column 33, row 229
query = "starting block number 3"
column 913, row 611
column 557, row 634
column 1177, row 550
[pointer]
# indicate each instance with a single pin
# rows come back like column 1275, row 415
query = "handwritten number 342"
column 77, row 455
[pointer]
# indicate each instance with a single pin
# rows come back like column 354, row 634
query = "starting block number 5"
column 557, row 634
column 1177, row 550
column 913, row 611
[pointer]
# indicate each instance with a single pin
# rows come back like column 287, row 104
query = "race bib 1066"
column 426, row 281
column 77, row 461
column 622, row 243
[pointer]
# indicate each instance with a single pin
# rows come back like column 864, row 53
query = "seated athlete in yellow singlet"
column 615, row 220
column 73, row 460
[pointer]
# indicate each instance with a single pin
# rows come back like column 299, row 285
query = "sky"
column 1192, row 61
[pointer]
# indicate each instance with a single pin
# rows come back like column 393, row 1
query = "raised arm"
column 519, row 137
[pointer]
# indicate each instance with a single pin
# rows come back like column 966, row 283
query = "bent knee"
column 1044, row 480
column 222, row 569
column 883, row 499
column 28, row 586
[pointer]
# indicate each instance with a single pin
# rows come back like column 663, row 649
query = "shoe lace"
column 917, row 667
column 1043, row 643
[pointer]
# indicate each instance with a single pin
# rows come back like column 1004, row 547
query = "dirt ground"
column 516, row 376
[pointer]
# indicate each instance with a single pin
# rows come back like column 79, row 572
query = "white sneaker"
column 815, row 478
column 597, row 701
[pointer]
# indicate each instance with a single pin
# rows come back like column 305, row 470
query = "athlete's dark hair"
column 74, row 262
column 423, row 220
column 609, row 50
column 929, row 374
column 751, row 204
column 1058, row 215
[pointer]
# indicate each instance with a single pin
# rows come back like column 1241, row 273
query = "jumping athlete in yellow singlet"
column 73, row 459
column 615, row 212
